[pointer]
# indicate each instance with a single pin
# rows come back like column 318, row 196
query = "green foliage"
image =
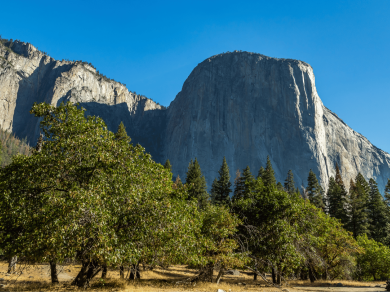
column 377, row 213
column 315, row 191
column 121, row 133
column 289, row 184
column 168, row 166
column 89, row 194
column 335, row 248
column 220, row 247
column 222, row 188
column 196, row 184
column 269, row 175
column 243, row 183
column 287, row 233
column 358, row 222
column 374, row 262
column 261, row 172
column 387, row 193
column 336, row 198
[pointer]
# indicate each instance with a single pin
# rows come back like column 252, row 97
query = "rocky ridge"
column 241, row 105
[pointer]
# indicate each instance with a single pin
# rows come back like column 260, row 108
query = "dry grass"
column 37, row 278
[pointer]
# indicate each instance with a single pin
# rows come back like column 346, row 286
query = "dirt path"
column 341, row 289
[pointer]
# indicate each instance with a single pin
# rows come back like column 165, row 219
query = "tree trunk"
column 311, row 275
column 254, row 277
column 220, row 274
column 273, row 276
column 205, row 274
column 122, row 272
column 88, row 271
column 104, row 272
column 134, row 273
column 53, row 272
column 303, row 275
column 12, row 264
column 278, row 279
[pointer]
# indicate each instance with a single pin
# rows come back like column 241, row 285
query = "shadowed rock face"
column 241, row 105
column 29, row 76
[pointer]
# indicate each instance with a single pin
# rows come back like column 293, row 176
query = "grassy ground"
column 37, row 278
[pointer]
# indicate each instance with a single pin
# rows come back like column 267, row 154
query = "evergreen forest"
column 89, row 195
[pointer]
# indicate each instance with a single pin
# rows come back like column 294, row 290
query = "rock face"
column 240, row 105
column 246, row 106
column 27, row 76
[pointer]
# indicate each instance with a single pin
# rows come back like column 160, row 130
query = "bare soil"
column 37, row 278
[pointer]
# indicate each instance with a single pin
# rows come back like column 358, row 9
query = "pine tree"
column 168, row 165
column 214, row 191
column 223, row 187
column 269, row 174
column 121, row 133
column 357, row 213
column 387, row 193
column 377, row 213
column 196, row 183
column 243, row 183
column 239, row 185
column 279, row 186
column 261, row 172
column 289, row 184
column 178, row 183
column 314, row 191
column 336, row 201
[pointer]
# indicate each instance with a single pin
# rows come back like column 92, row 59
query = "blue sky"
column 152, row 46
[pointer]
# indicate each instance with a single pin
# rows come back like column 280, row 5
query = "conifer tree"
column 279, row 186
column 336, row 201
column 289, row 184
column 239, row 185
column 196, row 183
column 387, row 193
column 178, row 183
column 314, row 191
column 168, row 165
column 223, row 187
column 261, row 172
column 377, row 213
column 214, row 191
column 357, row 202
column 121, row 133
column 361, row 182
column 243, row 183
column 269, row 175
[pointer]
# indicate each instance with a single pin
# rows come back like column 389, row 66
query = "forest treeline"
column 10, row 146
column 89, row 195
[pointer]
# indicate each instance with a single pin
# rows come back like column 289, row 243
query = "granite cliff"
column 241, row 105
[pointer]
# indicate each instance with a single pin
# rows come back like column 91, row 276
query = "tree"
column 222, row 189
column 121, row 133
column 168, row 166
column 377, row 213
column 387, row 193
column 90, row 195
column 357, row 201
column 314, row 190
column 196, row 183
column 218, row 244
column 289, row 184
column 336, row 201
column 243, row 183
column 261, row 172
column 374, row 262
column 269, row 175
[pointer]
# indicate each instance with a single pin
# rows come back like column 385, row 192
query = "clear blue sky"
column 152, row 46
